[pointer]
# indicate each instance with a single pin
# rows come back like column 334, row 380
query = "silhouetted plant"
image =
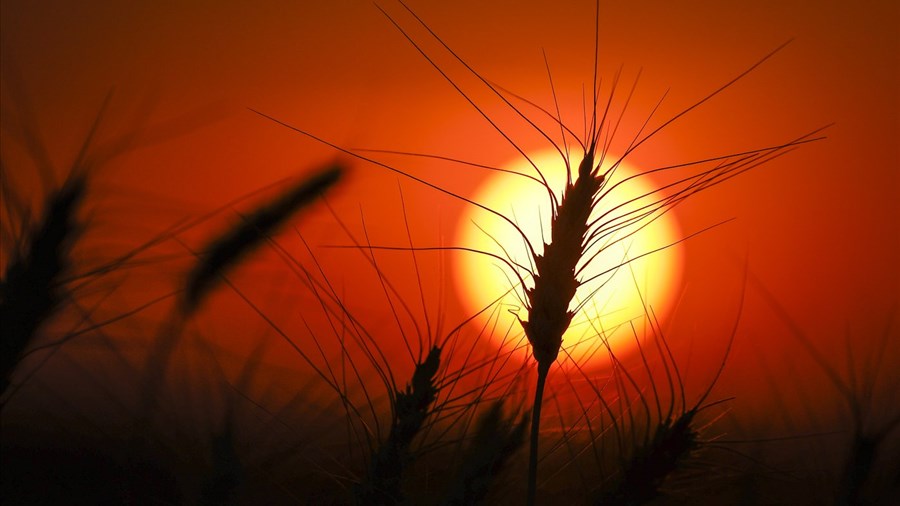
column 868, row 439
column 32, row 286
column 228, row 249
column 496, row 439
column 410, row 409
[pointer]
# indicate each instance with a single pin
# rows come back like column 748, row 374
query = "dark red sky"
column 819, row 226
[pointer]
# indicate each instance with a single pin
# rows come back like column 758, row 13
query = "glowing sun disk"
column 612, row 303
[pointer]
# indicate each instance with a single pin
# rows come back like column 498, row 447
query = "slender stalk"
column 543, row 369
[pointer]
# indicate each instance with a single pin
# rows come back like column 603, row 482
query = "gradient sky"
column 819, row 227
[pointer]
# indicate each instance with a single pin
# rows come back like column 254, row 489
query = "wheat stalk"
column 411, row 408
column 555, row 282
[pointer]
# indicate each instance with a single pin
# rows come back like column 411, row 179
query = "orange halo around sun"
column 616, row 303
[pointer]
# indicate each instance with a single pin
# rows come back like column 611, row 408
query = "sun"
column 627, row 280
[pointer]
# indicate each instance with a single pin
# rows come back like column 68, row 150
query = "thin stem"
column 543, row 369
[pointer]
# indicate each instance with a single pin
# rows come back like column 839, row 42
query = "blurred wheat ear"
column 412, row 407
column 496, row 439
column 645, row 471
column 31, row 288
column 221, row 254
column 228, row 249
column 858, row 482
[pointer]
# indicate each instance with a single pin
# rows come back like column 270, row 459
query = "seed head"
column 555, row 281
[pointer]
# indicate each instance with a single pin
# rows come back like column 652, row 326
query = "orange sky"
column 819, row 226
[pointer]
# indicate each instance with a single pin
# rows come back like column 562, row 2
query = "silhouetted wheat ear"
column 496, row 439
column 645, row 470
column 411, row 408
column 31, row 289
column 555, row 281
column 228, row 249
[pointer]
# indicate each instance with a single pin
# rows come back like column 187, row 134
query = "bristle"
column 228, row 249
column 30, row 291
column 411, row 408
